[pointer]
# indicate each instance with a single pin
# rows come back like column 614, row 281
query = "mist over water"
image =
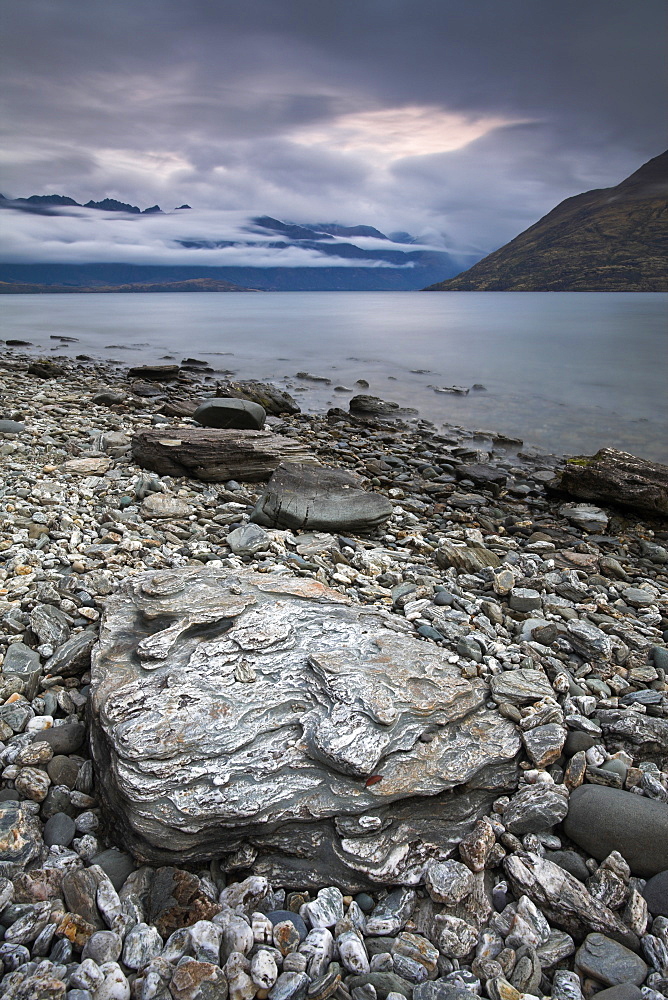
column 567, row 372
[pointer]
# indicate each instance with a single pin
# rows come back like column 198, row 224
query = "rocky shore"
column 449, row 770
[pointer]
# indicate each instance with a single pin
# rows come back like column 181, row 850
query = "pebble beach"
column 557, row 608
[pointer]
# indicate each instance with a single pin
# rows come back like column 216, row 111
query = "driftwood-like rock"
column 616, row 477
column 266, row 720
column 318, row 498
column 275, row 401
column 564, row 900
column 215, row 454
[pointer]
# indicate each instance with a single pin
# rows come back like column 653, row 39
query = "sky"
column 459, row 121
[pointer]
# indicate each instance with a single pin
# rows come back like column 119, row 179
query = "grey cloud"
column 167, row 102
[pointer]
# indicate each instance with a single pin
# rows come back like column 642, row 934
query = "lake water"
column 567, row 372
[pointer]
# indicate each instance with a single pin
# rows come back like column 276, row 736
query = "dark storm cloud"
column 468, row 118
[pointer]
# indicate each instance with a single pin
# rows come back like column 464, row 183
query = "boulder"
column 601, row 820
column 215, row 455
column 616, row 477
column 302, row 496
column 240, row 413
column 267, row 718
column 372, row 406
column 273, row 400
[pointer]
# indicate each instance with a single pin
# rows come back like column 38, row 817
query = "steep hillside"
column 607, row 240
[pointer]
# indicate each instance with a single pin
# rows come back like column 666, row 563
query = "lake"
column 567, row 372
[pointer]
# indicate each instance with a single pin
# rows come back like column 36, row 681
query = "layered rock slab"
column 266, row 720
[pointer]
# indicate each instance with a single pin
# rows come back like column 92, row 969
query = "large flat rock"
column 268, row 721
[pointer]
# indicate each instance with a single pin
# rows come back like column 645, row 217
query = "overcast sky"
column 461, row 121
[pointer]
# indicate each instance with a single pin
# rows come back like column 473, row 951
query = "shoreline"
column 535, row 565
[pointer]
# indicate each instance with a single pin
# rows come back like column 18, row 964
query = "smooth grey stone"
column 338, row 688
column 57, row 800
column 609, row 961
column 625, row 991
column 59, row 829
column 577, row 741
column 11, row 427
column 63, row 739
column 570, row 862
column 116, row 864
column 103, row 946
column 602, row 819
column 660, row 657
column 278, row 916
column 656, row 894
column 365, row 902
column 248, row 540
column 237, row 413
column 319, row 498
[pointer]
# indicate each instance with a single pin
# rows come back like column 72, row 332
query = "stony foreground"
column 557, row 612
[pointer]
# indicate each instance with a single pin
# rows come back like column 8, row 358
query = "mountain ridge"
column 606, row 239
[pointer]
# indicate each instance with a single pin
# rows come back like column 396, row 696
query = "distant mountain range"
column 362, row 258
column 607, row 240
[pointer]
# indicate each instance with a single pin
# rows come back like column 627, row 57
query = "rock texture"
column 239, row 413
column 268, row 717
column 606, row 240
column 302, row 496
column 214, row 455
column 616, row 477
column 272, row 399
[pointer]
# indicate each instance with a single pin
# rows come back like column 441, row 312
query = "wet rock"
column 372, row 406
column 240, row 413
column 155, row 373
column 301, row 496
column 269, row 397
column 609, row 961
column 602, row 820
column 619, row 478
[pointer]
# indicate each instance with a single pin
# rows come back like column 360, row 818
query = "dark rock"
column 155, row 373
column 278, row 916
column 11, row 427
column 109, row 397
column 116, row 864
column 616, row 477
column 314, row 497
column 80, row 892
column 577, row 741
column 45, row 369
column 215, row 455
column 173, row 898
column 625, row 991
column 63, row 770
column 441, row 989
column 570, row 862
column 372, row 406
column 656, row 894
column 64, row 739
column 238, row 413
column 609, row 961
column 59, row 829
column 602, row 819
column 272, row 400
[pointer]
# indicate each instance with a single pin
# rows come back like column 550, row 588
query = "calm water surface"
column 568, row 373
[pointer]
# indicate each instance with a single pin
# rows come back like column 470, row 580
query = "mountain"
column 272, row 254
column 191, row 285
column 607, row 240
